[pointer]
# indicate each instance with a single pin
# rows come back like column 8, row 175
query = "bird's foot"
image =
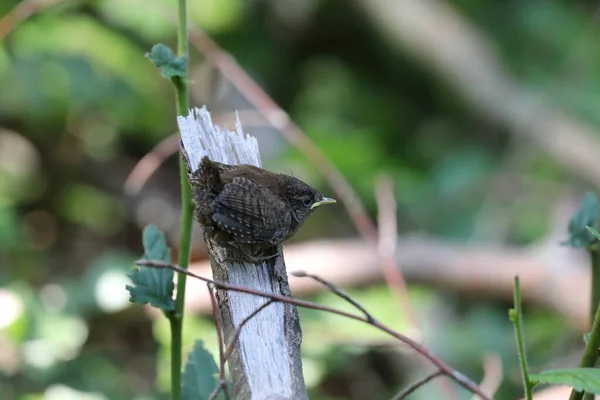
column 247, row 256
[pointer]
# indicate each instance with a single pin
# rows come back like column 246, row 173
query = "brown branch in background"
column 21, row 12
column 280, row 120
column 387, row 244
column 492, row 373
column 147, row 165
column 414, row 386
column 445, row 42
column 219, row 326
column 387, row 247
column 447, row 370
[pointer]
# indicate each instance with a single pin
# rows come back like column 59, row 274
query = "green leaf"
column 581, row 222
column 168, row 64
column 200, row 374
column 153, row 285
column 580, row 379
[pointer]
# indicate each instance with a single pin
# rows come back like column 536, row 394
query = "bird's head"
column 303, row 198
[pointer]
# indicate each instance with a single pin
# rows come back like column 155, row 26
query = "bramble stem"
column 516, row 318
column 185, row 236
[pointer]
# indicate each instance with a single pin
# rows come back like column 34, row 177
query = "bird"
column 249, row 208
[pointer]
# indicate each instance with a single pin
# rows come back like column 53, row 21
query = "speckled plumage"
column 250, row 208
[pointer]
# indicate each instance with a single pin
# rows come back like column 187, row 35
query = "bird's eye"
column 306, row 202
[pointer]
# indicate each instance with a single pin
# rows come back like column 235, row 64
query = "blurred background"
column 482, row 115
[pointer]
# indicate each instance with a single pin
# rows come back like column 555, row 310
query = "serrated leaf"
column 580, row 379
column 200, row 374
column 168, row 64
column 155, row 245
column 153, row 285
column 581, row 222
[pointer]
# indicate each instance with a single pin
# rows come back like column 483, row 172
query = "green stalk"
column 517, row 319
column 176, row 318
column 590, row 353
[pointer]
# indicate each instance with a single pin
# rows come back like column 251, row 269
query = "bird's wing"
column 251, row 214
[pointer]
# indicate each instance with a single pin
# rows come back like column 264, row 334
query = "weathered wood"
column 266, row 362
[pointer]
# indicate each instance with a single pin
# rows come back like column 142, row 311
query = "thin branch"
column 222, row 359
column 238, row 330
column 414, row 386
column 335, row 290
column 453, row 374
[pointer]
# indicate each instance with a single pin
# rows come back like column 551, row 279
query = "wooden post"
column 266, row 363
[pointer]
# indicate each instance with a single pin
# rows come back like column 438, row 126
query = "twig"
column 335, row 290
column 414, row 386
column 222, row 359
column 516, row 318
column 453, row 374
column 238, row 330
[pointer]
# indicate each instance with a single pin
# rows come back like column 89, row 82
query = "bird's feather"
column 240, row 210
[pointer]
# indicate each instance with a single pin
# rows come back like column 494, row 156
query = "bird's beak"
column 325, row 200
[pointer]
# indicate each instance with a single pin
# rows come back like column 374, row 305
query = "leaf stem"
column 176, row 318
column 516, row 318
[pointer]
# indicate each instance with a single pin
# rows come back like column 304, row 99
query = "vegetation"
column 81, row 107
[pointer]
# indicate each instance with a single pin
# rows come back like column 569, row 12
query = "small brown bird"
column 249, row 208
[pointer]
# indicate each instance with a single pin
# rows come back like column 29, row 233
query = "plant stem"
column 517, row 319
column 176, row 318
column 590, row 352
column 595, row 256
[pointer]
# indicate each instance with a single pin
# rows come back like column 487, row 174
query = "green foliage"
column 581, row 222
column 580, row 379
column 153, row 285
column 165, row 60
column 200, row 375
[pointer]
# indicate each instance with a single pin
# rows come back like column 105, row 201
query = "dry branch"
column 446, row 369
column 265, row 361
